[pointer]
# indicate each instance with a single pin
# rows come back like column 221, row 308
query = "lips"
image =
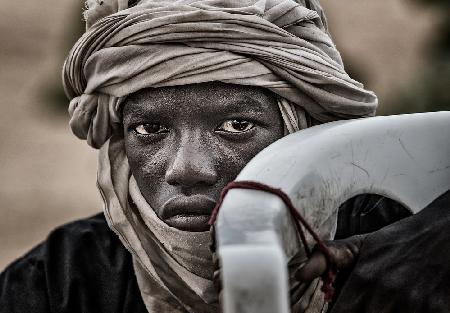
column 190, row 213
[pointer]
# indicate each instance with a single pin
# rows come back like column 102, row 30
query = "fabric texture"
column 403, row 267
column 82, row 267
column 277, row 44
column 174, row 268
column 365, row 213
column 280, row 45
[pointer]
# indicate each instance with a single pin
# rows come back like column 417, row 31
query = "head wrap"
column 276, row 44
column 281, row 45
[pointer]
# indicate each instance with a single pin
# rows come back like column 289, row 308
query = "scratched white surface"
column 406, row 158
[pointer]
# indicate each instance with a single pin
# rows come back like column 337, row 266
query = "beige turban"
column 276, row 44
column 280, row 45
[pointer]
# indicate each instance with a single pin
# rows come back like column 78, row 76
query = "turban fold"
column 277, row 44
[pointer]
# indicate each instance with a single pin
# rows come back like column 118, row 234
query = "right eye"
column 236, row 126
column 150, row 129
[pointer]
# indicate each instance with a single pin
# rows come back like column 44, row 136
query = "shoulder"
column 80, row 240
column 76, row 269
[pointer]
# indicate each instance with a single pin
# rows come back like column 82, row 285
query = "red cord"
column 330, row 273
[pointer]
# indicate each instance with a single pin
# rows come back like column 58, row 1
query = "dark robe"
column 83, row 267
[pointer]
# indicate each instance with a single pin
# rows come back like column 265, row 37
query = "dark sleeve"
column 367, row 213
column 23, row 286
column 403, row 267
column 81, row 267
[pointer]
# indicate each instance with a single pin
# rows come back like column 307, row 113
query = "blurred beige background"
column 48, row 176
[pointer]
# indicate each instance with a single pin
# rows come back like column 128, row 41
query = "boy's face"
column 185, row 143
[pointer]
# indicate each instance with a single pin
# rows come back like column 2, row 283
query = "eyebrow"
column 247, row 104
column 243, row 105
column 137, row 111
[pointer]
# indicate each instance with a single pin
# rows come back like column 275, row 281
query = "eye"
column 149, row 129
column 236, row 126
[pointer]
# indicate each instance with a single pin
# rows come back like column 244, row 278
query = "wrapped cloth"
column 281, row 45
column 276, row 44
column 174, row 268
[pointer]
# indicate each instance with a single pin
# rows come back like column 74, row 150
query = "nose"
column 192, row 165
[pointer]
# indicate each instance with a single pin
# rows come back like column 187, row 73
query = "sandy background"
column 48, row 176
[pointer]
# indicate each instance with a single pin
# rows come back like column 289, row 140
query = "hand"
column 404, row 267
column 343, row 252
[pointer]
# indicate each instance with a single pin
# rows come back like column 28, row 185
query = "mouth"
column 190, row 213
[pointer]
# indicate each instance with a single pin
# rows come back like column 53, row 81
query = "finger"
column 216, row 261
column 217, row 281
column 314, row 267
column 212, row 242
column 343, row 254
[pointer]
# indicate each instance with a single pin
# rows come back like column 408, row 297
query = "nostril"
column 191, row 165
column 208, row 178
column 173, row 177
column 188, row 174
column 189, row 179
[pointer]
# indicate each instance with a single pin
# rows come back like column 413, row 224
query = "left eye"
column 236, row 126
column 148, row 129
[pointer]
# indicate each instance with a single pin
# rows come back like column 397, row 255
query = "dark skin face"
column 185, row 143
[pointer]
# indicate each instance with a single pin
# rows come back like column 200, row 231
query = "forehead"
column 204, row 98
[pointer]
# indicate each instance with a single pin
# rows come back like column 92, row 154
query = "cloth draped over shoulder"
column 280, row 45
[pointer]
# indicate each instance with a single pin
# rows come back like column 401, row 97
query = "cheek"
column 232, row 157
column 146, row 164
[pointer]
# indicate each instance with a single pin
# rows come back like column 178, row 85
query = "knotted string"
column 330, row 273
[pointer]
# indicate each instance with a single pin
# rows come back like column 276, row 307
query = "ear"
column 98, row 9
